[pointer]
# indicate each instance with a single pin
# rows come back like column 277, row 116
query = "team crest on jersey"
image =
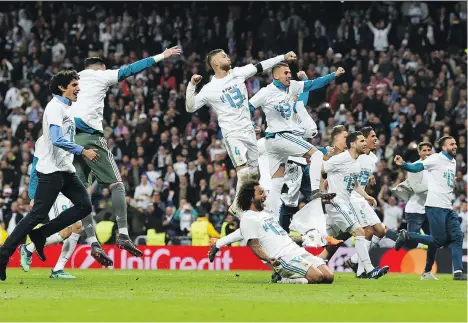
column 284, row 109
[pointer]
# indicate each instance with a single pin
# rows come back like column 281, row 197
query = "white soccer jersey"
column 367, row 163
column 277, row 104
column 229, row 99
column 273, row 239
column 265, row 178
column 440, row 182
column 418, row 182
column 52, row 158
column 89, row 106
column 342, row 173
column 61, row 204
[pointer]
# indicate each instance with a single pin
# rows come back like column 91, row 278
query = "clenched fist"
column 340, row 71
column 302, row 75
column 290, row 57
column 196, row 79
column 398, row 160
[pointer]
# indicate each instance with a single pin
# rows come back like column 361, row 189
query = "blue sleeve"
column 135, row 68
column 59, row 141
column 33, row 180
column 318, row 83
column 252, row 109
column 414, row 167
column 322, row 149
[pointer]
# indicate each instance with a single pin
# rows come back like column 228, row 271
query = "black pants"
column 48, row 188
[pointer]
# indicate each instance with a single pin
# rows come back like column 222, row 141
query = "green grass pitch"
column 188, row 296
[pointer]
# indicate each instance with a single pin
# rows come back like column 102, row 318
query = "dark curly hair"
column 246, row 195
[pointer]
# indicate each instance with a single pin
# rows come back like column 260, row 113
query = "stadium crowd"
column 405, row 76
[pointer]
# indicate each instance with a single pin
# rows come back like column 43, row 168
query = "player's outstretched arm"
column 250, row 70
column 412, row 168
column 193, row 101
column 320, row 82
column 145, row 63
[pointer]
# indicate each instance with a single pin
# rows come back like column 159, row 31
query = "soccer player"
column 369, row 220
column 227, row 94
column 284, row 136
column 272, row 244
column 443, row 221
column 69, row 236
column 415, row 210
column 55, row 171
column 342, row 175
column 88, row 113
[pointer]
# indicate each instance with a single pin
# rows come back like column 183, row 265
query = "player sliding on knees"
column 226, row 93
column 88, row 112
column 272, row 244
column 69, row 236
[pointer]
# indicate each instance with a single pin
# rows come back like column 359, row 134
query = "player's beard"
column 259, row 205
column 226, row 67
column 452, row 153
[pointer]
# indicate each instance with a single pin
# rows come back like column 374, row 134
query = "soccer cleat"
column 275, row 278
column 459, row 276
column 377, row 272
column 60, row 274
column 428, row 276
column 331, row 241
column 402, row 238
column 213, row 251
column 25, row 258
column 39, row 243
column 100, row 256
column 362, row 276
column 315, row 194
column 124, row 242
column 351, row 265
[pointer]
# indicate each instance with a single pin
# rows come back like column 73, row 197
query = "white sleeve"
column 245, row 72
column 108, row 77
column 258, row 99
column 296, row 87
column 248, row 227
column 193, row 101
column 334, row 164
column 54, row 114
column 430, row 162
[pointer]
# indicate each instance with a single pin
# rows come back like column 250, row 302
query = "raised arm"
column 250, row 70
column 412, row 168
column 194, row 101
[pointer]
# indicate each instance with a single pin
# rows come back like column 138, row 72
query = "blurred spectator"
column 202, row 230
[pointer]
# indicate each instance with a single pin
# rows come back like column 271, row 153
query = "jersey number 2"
column 235, row 97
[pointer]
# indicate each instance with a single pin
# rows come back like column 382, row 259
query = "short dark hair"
column 443, row 140
column 366, row 131
column 246, row 195
column 94, row 61
column 209, row 57
column 423, row 144
column 352, row 137
column 274, row 68
column 337, row 130
column 62, row 79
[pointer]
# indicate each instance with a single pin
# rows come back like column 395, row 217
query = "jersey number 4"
column 234, row 97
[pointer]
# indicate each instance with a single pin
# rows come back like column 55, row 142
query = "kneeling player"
column 272, row 244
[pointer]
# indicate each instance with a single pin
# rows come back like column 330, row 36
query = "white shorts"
column 283, row 146
column 297, row 267
column 242, row 148
column 366, row 214
column 341, row 218
column 60, row 205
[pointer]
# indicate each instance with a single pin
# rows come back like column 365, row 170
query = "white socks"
column 230, row 238
column 293, row 281
column 315, row 170
column 123, row 231
column 67, row 250
column 363, row 253
column 53, row 239
column 375, row 241
column 274, row 198
column 361, row 268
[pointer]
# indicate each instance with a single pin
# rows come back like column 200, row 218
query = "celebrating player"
column 272, row 244
column 227, row 94
column 88, row 113
column 284, row 136
column 443, row 221
column 342, row 175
